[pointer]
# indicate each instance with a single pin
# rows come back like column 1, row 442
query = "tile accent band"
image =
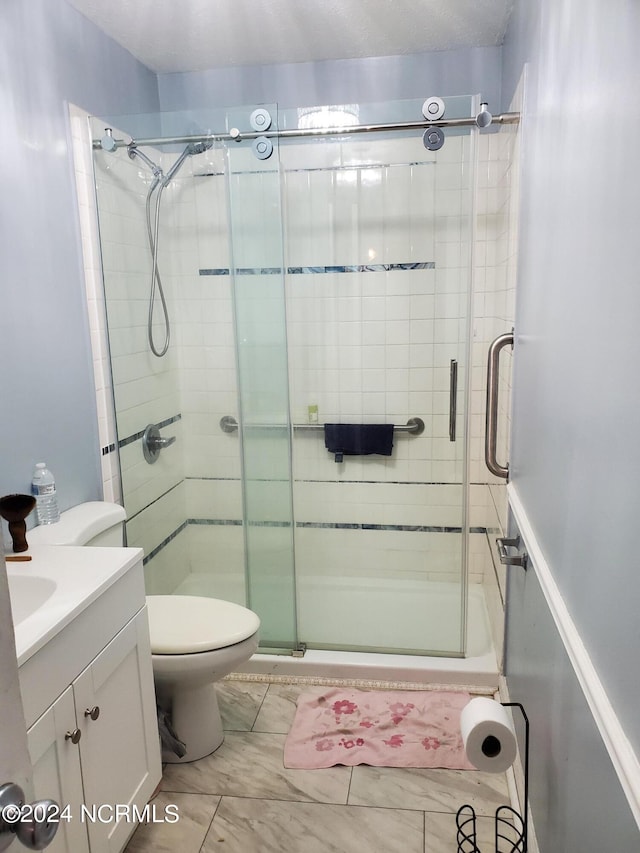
column 138, row 435
column 320, row 270
column 236, row 522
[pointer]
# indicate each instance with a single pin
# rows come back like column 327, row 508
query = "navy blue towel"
column 358, row 439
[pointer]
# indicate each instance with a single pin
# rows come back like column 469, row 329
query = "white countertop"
column 80, row 576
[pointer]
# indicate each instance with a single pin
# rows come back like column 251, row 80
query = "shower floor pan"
column 343, row 612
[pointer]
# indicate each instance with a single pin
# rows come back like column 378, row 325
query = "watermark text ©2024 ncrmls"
column 96, row 813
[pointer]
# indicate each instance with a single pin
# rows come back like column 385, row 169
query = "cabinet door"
column 120, row 750
column 56, row 771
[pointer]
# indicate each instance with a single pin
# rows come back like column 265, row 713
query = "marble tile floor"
column 241, row 799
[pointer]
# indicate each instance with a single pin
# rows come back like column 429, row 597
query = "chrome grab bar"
column 228, row 423
column 453, row 398
column 491, row 431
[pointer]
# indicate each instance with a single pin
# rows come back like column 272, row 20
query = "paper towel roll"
column 488, row 735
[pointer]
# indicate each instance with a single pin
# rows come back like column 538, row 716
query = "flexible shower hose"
column 155, row 272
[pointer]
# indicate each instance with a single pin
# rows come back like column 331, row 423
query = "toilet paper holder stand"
column 509, row 837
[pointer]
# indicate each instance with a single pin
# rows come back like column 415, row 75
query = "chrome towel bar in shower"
column 414, row 426
column 491, row 431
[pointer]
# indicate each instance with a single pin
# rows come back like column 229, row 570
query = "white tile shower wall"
column 353, row 336
column 153, row 526
column 192, row 236
column 414, row 504
column 216, row 553
column 168, row 569
column 376, row 346
column 362, row 554
column 209, row 388
column 494, row 286
column 146, row 388
column 83, row 166
column 198, row 237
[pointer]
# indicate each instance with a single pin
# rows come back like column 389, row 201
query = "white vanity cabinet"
column 56, row 770
column 93, row 684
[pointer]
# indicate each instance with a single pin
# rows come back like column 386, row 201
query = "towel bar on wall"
column 414, row 426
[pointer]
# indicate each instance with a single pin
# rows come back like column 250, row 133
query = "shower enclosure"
column 326, row 281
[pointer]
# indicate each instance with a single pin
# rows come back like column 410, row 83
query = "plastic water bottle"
column 43, row 488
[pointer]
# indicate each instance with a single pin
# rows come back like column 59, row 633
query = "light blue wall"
column 49, row 55
column 577, row 801
column 444, row 73
column 576, row 409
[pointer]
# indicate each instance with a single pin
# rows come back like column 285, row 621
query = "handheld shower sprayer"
column 191, row 149
column 160, row 181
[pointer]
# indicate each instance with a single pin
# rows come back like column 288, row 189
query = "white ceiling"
column 194, row 35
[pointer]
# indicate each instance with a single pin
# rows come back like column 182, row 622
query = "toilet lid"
column 185, row 624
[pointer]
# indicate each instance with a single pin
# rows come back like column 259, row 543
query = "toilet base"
column 196, row 720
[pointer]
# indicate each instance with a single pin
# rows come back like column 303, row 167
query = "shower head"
column 176, row 165
column 200, row 147
column 191, row 149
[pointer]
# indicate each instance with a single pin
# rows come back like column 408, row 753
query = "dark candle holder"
column 15, row 509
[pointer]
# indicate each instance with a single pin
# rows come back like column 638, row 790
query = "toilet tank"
column 92, row 523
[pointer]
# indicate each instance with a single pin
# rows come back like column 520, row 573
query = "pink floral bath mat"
column 384, row 728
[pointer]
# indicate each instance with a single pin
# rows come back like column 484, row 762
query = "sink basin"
column 28, row 593
column 59, row 582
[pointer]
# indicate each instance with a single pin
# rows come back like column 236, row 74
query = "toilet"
column 195, row 641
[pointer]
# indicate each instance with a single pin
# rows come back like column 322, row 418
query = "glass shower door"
column 378, row 237
column 257, row 270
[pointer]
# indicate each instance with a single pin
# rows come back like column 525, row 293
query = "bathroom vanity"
column 82, row 643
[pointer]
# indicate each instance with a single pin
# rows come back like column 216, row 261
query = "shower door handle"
column 491, row 430
column 453, row 398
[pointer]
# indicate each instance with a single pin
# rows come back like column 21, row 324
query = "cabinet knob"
column 73, row 736
column 94, row 712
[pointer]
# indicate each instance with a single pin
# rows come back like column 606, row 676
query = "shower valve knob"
column 153, row 443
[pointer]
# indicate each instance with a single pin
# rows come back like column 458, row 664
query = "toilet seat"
column 187, row 624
